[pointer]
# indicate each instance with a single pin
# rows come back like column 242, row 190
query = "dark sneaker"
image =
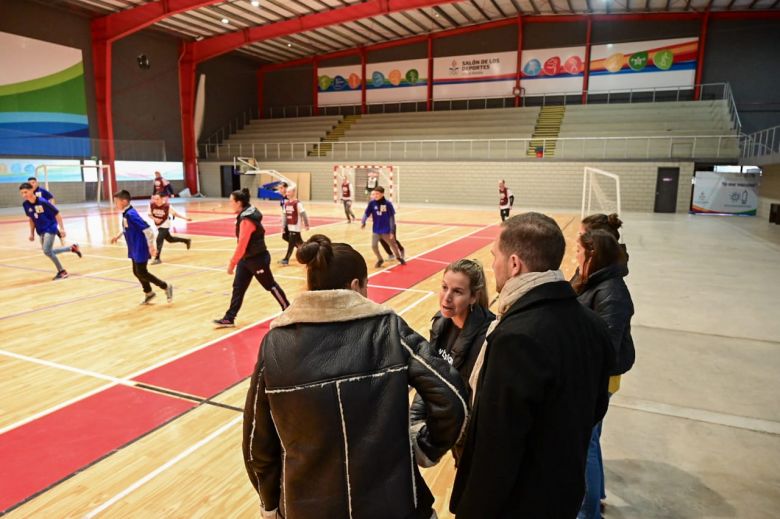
column 224, row 323
column 62, row 274
column 156, row 261
column 284, row 262
column 402, row 261
column 189, row 243
column 379, row 263
column 169, row 292
column 148, row 298
column 75, row 249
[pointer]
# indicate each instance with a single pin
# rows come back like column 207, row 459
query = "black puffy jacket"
column 326, row 423
column 607, row 294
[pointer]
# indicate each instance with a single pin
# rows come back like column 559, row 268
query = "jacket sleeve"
column 518, row 373
column 443, row 395
column 261, row 446
column 616, row 311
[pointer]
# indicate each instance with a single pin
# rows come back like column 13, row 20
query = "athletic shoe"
column 390, row 258
column 224, row 323
column 62, row 274
column 284, row 262
column 379, row 263
column 156, row 261
column 75, row 249
column 402, row 261
column 169, row 292
column 148, row 297
column 189, row 243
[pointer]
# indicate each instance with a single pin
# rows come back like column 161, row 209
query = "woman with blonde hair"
column 326, row 422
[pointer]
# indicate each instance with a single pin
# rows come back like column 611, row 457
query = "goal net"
column 600, row 192
column 91, row 173
column 365, row 178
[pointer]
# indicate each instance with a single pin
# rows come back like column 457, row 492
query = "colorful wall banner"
column 397, row 81
column 725, row 193
column 559, row 70
column 475, row 75
column 16, row 171
column 643, row 65
column 41, row 96
column 339, row 85
column 144, row 170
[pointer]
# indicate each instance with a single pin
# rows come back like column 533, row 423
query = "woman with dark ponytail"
column 326, row 422
column 610, row 223
column 251, row 258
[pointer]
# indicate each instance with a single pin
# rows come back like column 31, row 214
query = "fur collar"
column 327, row 306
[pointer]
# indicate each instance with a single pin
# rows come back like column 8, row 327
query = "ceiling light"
column 289, row 44
column 255, row 3
column 225, row 21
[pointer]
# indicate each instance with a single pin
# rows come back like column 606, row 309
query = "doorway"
column 666, row 186
column 230, row 180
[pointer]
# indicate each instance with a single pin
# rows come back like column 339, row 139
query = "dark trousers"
column 293, row 240
column 504, row 214
column 146, row 278
column 163, row 233
column 258, row 267
column 387, row 248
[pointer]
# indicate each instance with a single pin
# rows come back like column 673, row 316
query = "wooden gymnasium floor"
column 118, row 410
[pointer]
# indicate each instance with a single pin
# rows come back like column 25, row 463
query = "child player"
column 45, row 219
column 382, row 212
column 293, row 214
column 161, row 211
column 40, row 192
column 140, row 247
column 346, row 198
column 505, row 199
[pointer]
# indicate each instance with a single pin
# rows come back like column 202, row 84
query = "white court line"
column 434, row 261
column 63, row 367
column 423, row 298
column 699, row 415
column 162, row 468
column 401, row 289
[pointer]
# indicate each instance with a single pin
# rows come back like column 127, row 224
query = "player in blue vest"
column 40, row 192
column 382, row 212
column 45, row 219
column 140, row 247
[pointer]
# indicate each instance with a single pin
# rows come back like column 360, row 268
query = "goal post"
column 365, row 177
column 600, row 192
column 103, row 174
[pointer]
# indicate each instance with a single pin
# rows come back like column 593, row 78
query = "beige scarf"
column 514, row 289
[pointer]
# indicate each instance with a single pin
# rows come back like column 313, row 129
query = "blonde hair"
column 473, row 270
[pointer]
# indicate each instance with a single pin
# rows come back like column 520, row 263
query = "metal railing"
column 568, row 148
column 28, row 144
column 761, row 147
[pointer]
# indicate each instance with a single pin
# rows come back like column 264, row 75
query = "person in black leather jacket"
column 326, row 422
column 601, row 288
column 458, row 328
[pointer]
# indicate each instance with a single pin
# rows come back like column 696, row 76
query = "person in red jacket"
column 251, row 258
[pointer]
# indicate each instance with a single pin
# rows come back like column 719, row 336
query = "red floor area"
column 44, row 451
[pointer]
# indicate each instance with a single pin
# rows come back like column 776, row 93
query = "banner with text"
column 547, row 71
column 339, row 85
column 397, row 81
column 474, row 76
column 643, row 65
column 725, row 193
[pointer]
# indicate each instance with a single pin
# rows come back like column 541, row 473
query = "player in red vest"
column 161, row 212
column 347, row 196
column 294, row 213
column 505, row 199
column 161, row 186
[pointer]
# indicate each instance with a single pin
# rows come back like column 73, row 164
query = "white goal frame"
column 588, row 190
column 389, row 178
column 104, row 172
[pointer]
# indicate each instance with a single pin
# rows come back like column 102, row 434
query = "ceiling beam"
column 212, row 47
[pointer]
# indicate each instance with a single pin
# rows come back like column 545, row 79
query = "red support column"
column 586, row 66
column 705, row 21
column 101, row 62
column 518, row 97
column 316, row 90
column 363, row 83
column 429, row 98
column 260, row 86
column 187, row 101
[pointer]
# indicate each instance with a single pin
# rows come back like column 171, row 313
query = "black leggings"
column 387, row 248
column 293, row 240
column 504, row 214
column 146, row 278
column 258, row 267
column 163, row 233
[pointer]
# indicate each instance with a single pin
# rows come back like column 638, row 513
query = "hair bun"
column 318, row 247
column 614, row 221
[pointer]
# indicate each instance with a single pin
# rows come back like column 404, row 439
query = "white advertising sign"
column 725, row 193
column 397, row 81
column 339, row 85
column 547, row 71
column 475, row 75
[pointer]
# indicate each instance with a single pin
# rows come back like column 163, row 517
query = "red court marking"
column 42, row 452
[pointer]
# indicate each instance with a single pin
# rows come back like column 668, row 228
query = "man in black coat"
column 540, row 385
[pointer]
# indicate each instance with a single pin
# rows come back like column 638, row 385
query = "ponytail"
column 331, row 266
column 241, row 196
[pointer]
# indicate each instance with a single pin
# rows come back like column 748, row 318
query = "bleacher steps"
column 548, row 126
column 334, row 135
